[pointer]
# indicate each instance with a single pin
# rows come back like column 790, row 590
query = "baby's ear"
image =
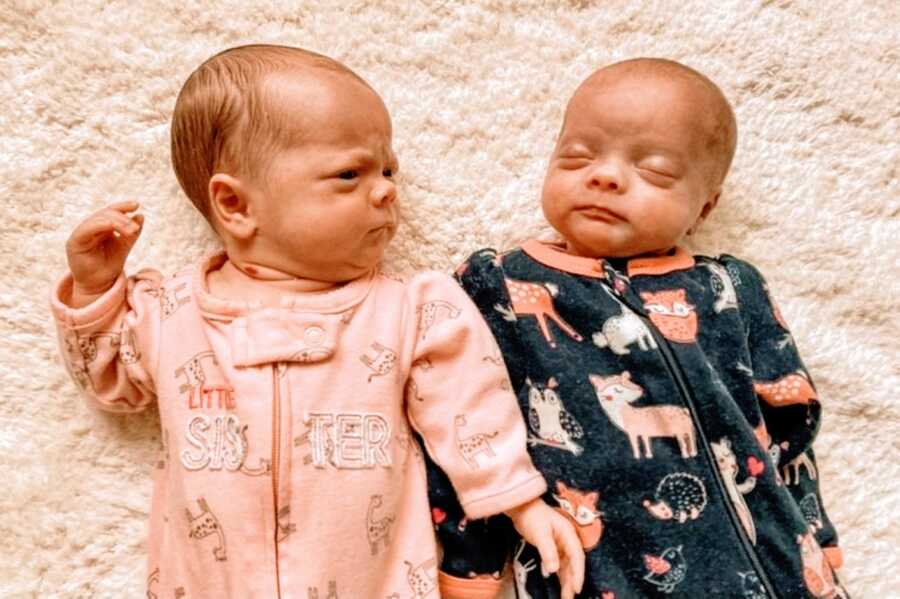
column 708, row 206
column 230, row 206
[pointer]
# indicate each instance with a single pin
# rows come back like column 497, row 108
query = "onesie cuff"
column 86, row 316
column 835, row 556
column 491, row 505
column 453, row 587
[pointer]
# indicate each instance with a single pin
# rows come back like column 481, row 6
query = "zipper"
column 675, row 370
column 276, row 434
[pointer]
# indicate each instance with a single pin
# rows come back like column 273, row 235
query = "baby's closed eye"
column 657, row 173
column 573, row 161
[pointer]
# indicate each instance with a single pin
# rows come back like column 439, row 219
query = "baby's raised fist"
column 97, row 249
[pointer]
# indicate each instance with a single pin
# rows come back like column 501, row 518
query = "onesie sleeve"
column 463, row 405
column 475, row 552
column 465, row 410
column 788, row 400
column 109, row 346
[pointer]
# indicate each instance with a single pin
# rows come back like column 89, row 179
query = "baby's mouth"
column 599, row 213
column 384, row 228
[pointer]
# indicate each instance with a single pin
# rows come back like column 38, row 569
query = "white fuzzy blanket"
column 476, row 90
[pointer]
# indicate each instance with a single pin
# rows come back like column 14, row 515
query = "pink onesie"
column 289, row 469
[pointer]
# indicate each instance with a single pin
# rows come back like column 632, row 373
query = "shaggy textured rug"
column 476, row 90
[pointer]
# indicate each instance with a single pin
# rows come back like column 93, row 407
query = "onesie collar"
column 553, row 254
column 304, row 328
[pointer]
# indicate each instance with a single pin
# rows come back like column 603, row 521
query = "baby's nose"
column 606, row 177
column 384, row 192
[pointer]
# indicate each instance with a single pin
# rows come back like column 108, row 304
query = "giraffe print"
column 88, row 345
column 169, row 299
column 421, row 581
column 193, row 373
column 128, row 353
column 204, row 525
column 474, row 445
column 378, row 530
column 431, row 313
column 381, row 363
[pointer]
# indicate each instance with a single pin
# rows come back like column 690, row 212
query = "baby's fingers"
column 546, row 546
column 574, row 557
column 100, row 227
column 123, row 207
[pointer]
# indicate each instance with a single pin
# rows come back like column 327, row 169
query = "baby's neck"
column 249, row 282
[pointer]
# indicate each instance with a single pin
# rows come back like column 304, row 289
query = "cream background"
column 476, row 90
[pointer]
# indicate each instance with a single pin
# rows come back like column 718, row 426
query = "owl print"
column 672, row 314
column 549, row 420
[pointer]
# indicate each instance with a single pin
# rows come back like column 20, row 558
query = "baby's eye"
column 348, row 175
column 573, row 162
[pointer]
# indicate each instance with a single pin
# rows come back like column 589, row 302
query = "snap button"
column 314, row 335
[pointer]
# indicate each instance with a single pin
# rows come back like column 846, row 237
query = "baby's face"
column 328, row 206
column 629, row 174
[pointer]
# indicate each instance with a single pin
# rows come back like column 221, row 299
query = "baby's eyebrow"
column 573, row 144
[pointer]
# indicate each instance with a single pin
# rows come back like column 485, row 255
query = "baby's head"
column 644, row 149
column 287, row 154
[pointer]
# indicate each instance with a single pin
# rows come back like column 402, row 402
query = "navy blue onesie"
column 673, row 419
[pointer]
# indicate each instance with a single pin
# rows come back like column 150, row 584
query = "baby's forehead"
column 663, row 97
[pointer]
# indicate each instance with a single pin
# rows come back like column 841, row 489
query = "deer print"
column 204, row 525
column 381, row 363
column 728, row 466
column 431, row 313
column 420, row 579
column 474, row 445
column 726, row 296
column 520, row 571
column 618, row 332
column 817, row 572
column 791, row 389
column 549, row 419
column 795, row 464
column 536, row 299
column 379, row 529
column 616, row 394
column 581, row 508
column 672, row 314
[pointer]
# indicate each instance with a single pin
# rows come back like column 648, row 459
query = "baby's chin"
column 598, row 249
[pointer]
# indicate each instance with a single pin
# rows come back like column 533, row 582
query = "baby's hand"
column 98, row 247
column 556, row 541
